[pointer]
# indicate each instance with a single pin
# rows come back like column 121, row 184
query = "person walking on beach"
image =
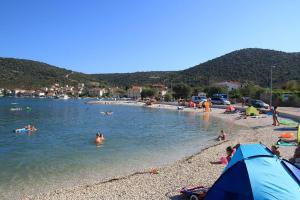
column 275, row 116
column 243, row 101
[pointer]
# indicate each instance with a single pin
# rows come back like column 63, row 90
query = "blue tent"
column 257, row 174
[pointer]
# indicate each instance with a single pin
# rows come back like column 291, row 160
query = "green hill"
column 247, row 65
column 20, row 73
column 242, row 65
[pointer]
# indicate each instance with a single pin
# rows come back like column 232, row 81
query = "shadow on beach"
column 177, row 197
column 286, row 129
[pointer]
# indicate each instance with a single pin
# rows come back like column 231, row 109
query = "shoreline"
column 189, row 171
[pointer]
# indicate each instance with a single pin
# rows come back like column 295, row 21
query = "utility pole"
column 271, row 85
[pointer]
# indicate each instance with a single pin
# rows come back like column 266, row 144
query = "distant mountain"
column 242, row 65
column 20, row 73
column 250, row 64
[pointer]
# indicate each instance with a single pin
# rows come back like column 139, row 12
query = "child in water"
column 99, row 138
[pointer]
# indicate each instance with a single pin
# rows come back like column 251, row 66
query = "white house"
column 97, row 92
column 231, row 85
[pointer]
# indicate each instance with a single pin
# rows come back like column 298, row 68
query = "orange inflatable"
column 286, row 135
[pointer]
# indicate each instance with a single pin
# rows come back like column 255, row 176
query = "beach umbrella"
column 254, row 173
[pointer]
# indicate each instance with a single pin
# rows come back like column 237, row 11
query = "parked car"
column 258, row 103
column 199, row 100
column 218, row 100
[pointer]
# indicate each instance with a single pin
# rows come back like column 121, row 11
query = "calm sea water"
column 62, row 152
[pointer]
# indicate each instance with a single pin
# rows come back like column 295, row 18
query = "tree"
column 197, row 90
column 168, row 97
column 235, row 94
column 252, row 90
column 121, row 92
column 291, row 85
column 148, row 92
column 182, row 91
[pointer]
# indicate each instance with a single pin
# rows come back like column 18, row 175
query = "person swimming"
column 30, row 127
column 99, row 138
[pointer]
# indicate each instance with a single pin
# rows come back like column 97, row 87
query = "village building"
column 97, row 92
column 230, row 85
column 162, row 89
column 134, row 92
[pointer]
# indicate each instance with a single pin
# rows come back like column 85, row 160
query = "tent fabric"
column 234, row 184
column 293, row 169
column 255, row 173
column 251, row 111
column 248, row 150
column 270, row 180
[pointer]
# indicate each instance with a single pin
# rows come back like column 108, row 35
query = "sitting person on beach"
column 275, row 150
column 99, row 138
column 225, row 159
column 222, row 136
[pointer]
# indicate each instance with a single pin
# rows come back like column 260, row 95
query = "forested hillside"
column 242, row 65
column 248, row 65
column 20, row 73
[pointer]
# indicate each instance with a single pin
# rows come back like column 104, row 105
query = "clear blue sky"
column 102, row 36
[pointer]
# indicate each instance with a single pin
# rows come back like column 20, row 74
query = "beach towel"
column 287, row 122
column 286, row 144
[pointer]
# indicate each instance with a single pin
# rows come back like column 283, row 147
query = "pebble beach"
column 194, row 170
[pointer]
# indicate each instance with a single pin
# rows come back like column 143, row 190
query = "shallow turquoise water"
column 62, row 152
